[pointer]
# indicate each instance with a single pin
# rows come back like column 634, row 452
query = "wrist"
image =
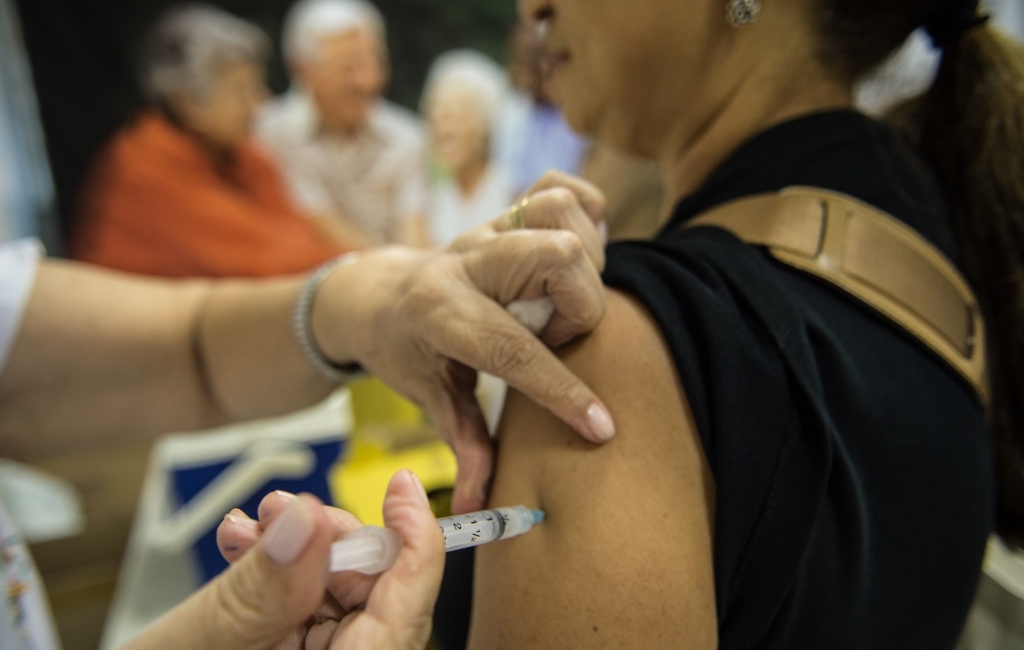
column 302, row 324
column 331, row 316
column 347, row 308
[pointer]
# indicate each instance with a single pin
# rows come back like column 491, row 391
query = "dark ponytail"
column 970, row 125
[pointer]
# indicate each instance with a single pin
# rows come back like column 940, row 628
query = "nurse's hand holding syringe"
column 399, row 565
column 278, row 595
column 278, row 576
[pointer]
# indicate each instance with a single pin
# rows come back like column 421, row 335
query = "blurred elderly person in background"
column 349, row 156
column 181, row 190
column 461, row 101
column 534, row 137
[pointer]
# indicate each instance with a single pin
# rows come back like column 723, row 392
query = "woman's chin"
column 583, row 119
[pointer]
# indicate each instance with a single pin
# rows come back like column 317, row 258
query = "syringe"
column 372, row 549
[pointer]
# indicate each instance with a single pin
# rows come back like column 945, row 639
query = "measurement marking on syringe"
column 367, row 551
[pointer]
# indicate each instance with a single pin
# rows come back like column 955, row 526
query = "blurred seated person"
column 347, row 152
column 534, row 137
column 461, row 100
column 181, row 190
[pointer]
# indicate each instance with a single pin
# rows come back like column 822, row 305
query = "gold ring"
column 515, row 215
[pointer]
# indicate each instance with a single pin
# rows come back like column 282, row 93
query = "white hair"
column 189, row 45
column 473, row 71
column 310, row 20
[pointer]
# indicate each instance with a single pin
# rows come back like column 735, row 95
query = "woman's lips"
column 555, row 61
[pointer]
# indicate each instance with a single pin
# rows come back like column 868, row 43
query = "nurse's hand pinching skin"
column 425, row 321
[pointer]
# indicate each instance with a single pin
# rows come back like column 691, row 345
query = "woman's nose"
column 535, row 11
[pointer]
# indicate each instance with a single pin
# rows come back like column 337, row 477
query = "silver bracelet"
column 302, row 324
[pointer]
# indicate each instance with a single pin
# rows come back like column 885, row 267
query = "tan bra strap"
column 875, row 258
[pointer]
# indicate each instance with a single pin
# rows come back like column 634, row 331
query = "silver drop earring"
column 742, row 12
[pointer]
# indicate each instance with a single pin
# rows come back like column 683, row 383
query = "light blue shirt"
column 535, row 138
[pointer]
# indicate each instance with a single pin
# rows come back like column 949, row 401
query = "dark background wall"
column 83, row 54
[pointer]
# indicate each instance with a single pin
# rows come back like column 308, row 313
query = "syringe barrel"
column 476, row 528
column 371, row 550
column 518, row 520
column 368, row 550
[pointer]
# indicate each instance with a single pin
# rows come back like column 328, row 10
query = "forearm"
column 341, row 232
column 103, row 357
column 248, row 354
column 413, row 231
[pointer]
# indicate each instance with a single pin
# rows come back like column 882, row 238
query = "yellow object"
column 391, row 434
column 373, row 403
column 360, row 482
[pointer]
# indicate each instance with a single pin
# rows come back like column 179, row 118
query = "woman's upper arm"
column 624, row 558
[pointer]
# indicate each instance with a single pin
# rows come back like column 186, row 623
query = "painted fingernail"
column 290, row 534
column 600, row 422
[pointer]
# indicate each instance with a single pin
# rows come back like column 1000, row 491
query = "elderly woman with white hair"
column 182, row 190
column 461, row 101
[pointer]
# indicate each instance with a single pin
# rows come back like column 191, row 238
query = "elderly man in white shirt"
column 352, row 159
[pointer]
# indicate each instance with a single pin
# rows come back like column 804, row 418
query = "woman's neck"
column 221, row 153
column 469, row 176
column 758, row 104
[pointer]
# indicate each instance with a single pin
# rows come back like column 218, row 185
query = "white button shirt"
column 376, row 178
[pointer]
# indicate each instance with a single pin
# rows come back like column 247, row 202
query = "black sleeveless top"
column 854, row 476
column 853, row 471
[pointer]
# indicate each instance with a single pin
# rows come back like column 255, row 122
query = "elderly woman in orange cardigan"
column 183, row 190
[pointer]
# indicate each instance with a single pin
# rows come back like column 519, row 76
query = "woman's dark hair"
column 970, row 125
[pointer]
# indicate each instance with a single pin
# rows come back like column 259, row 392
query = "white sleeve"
column 18, row 263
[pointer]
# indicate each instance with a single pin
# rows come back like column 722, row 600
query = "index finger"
column 590, row 197
column 558, row 208
column 497, row 344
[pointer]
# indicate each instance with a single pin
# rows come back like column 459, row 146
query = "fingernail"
column 600, row 422
column 288, row 537
column 239, row 518
column 420, row 490
column 284, row 495
column 602, row 231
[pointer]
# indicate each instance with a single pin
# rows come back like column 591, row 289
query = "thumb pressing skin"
column 262, row 598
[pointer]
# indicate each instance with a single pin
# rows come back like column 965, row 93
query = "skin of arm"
column 341, row 231
column 413, row 231
column 103, row 357
column 624, row 557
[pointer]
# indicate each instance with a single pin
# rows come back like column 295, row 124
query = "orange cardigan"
column 157, row 203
